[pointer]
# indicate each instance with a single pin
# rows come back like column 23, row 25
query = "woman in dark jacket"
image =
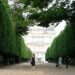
column 33, row 61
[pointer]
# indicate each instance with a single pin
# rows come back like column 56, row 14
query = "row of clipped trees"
column 12, row 46
column 63, row 45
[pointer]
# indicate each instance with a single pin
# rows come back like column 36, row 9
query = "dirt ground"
column 40, row 69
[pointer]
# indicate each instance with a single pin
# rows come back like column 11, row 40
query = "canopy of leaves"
column 52, row 15
column 38, row 3
column 58, row 11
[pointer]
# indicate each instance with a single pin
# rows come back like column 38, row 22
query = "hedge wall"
column 11, row 44
column 63, row 45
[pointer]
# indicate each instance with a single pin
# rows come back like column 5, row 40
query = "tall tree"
column 58, row 11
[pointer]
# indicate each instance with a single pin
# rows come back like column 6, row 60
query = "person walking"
column 57, row 61
column 67, row 61
column 60, row 61
column 33, row 61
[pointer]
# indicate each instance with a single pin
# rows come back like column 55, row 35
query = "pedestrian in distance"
column 57, row 61
column 60, row 62
column 67, row 61
column 33, row 61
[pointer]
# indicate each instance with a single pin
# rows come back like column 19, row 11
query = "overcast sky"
column 60, row 27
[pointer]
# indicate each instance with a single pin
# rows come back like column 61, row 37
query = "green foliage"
column 11, row 43
column 21, row 24
column 52, row 15
column 63, row 45
column 25, row 51
column 21, row 28
column 7, row 27
column 38, row 3
column 60, row 10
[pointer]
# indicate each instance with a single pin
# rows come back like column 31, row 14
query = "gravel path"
column 40, row 69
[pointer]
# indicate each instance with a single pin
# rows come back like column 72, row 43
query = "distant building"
column 38, row 40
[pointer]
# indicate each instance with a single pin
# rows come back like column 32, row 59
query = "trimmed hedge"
column 11, row 44
column 63, row 45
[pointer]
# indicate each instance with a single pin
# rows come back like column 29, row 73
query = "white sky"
column 50, row 5
column 43, row 39
column 60, row 27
